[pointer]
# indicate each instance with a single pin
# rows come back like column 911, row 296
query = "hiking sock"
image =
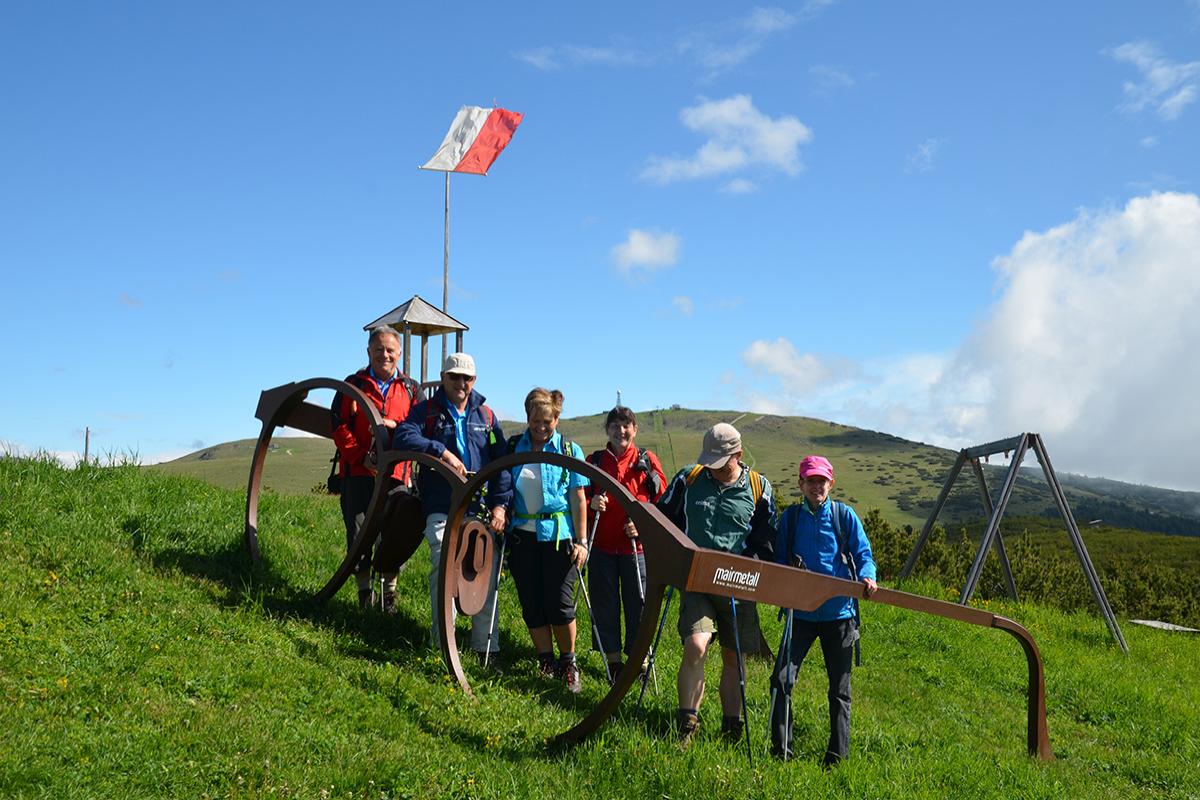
column 389, row 582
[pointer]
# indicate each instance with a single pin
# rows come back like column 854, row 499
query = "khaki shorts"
column 708, row 613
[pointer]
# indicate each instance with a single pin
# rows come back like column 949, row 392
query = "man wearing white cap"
column 455, row 426
column 724, row 505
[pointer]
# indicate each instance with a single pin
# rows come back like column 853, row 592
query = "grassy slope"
column 875, row 470
column 140, row 656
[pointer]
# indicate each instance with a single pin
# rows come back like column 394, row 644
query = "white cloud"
column 716, row 47
column 646, row 250
column 798, row 373
column 1091, row 343
column 1165, row 86
column 828, row 79
column 1149, row 142
column 922, row 159
column 553, row 57
column 729, row 44
column 684, row 305
column 739, row 137
column 740, row 186
column 68, row 458
column 163, row 456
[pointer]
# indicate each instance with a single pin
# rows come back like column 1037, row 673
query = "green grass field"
column 141, row 656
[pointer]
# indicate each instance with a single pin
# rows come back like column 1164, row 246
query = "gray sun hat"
column 720, row 442
column 459, row 364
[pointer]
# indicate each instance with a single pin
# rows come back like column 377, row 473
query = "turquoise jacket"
column 554, row 522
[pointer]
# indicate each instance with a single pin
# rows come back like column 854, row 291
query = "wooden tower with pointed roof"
column 418, row 317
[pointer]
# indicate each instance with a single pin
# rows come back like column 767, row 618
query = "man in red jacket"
column 393, row 394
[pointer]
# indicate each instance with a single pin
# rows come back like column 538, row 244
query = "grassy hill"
column 141, row 656
column 875, row 470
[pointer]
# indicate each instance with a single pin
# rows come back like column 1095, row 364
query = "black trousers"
column 613, row 583
column 402, row 526
column 545, row 579
column 837, row 646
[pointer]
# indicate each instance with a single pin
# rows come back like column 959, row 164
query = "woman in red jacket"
column 617, row 566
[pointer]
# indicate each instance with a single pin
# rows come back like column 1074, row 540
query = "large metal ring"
column 285, row 405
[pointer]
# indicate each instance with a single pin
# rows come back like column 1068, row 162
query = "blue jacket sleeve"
column 782, row 556
column 410, row 434
column 499, row 491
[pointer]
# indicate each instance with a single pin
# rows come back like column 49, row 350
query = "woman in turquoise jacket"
column 548, row 539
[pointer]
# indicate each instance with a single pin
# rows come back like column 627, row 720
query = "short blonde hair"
column 540, row 399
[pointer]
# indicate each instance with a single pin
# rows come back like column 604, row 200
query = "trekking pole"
column 495, row 601
column 587, row 601
column 642, row 597
column 737, row 646
column 782, row 663
column 783, row 671
column 591, row 541
column 787, row 695
column 777, row 675
column 654, row 647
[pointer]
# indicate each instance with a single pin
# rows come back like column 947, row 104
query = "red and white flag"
column 476, row 137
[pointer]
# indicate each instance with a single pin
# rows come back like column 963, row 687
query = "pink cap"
column 816, row 465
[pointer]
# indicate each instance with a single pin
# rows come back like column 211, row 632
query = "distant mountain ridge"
column 874, row 470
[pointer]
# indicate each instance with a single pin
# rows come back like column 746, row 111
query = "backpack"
column 756, row 481
column 333, row 483
column 641, row 465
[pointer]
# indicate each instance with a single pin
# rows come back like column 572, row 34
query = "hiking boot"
column 492, row 664
column 830, row 761
column 571, row 676
column 389, row 602
column 366, row 598
column 547, row 667
column 686, row 723
column 731, row 728
column 614, row 669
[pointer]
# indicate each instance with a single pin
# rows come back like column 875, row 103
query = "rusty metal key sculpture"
column 674, row 560
column 286, row 405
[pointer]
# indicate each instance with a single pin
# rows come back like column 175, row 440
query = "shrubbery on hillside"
column 1136, row 585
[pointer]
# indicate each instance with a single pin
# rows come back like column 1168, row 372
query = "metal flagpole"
column 446, row 266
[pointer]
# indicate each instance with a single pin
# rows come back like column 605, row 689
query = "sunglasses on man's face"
column 454, row 376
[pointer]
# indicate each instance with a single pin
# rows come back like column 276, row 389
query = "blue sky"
column 947, row 221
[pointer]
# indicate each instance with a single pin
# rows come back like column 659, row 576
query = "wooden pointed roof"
column 421, row 318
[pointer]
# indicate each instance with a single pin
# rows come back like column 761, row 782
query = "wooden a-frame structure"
column 1018, row 446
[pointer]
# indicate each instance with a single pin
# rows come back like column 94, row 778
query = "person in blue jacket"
column 455, row 426
column 827, row 537
column 548, row 540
